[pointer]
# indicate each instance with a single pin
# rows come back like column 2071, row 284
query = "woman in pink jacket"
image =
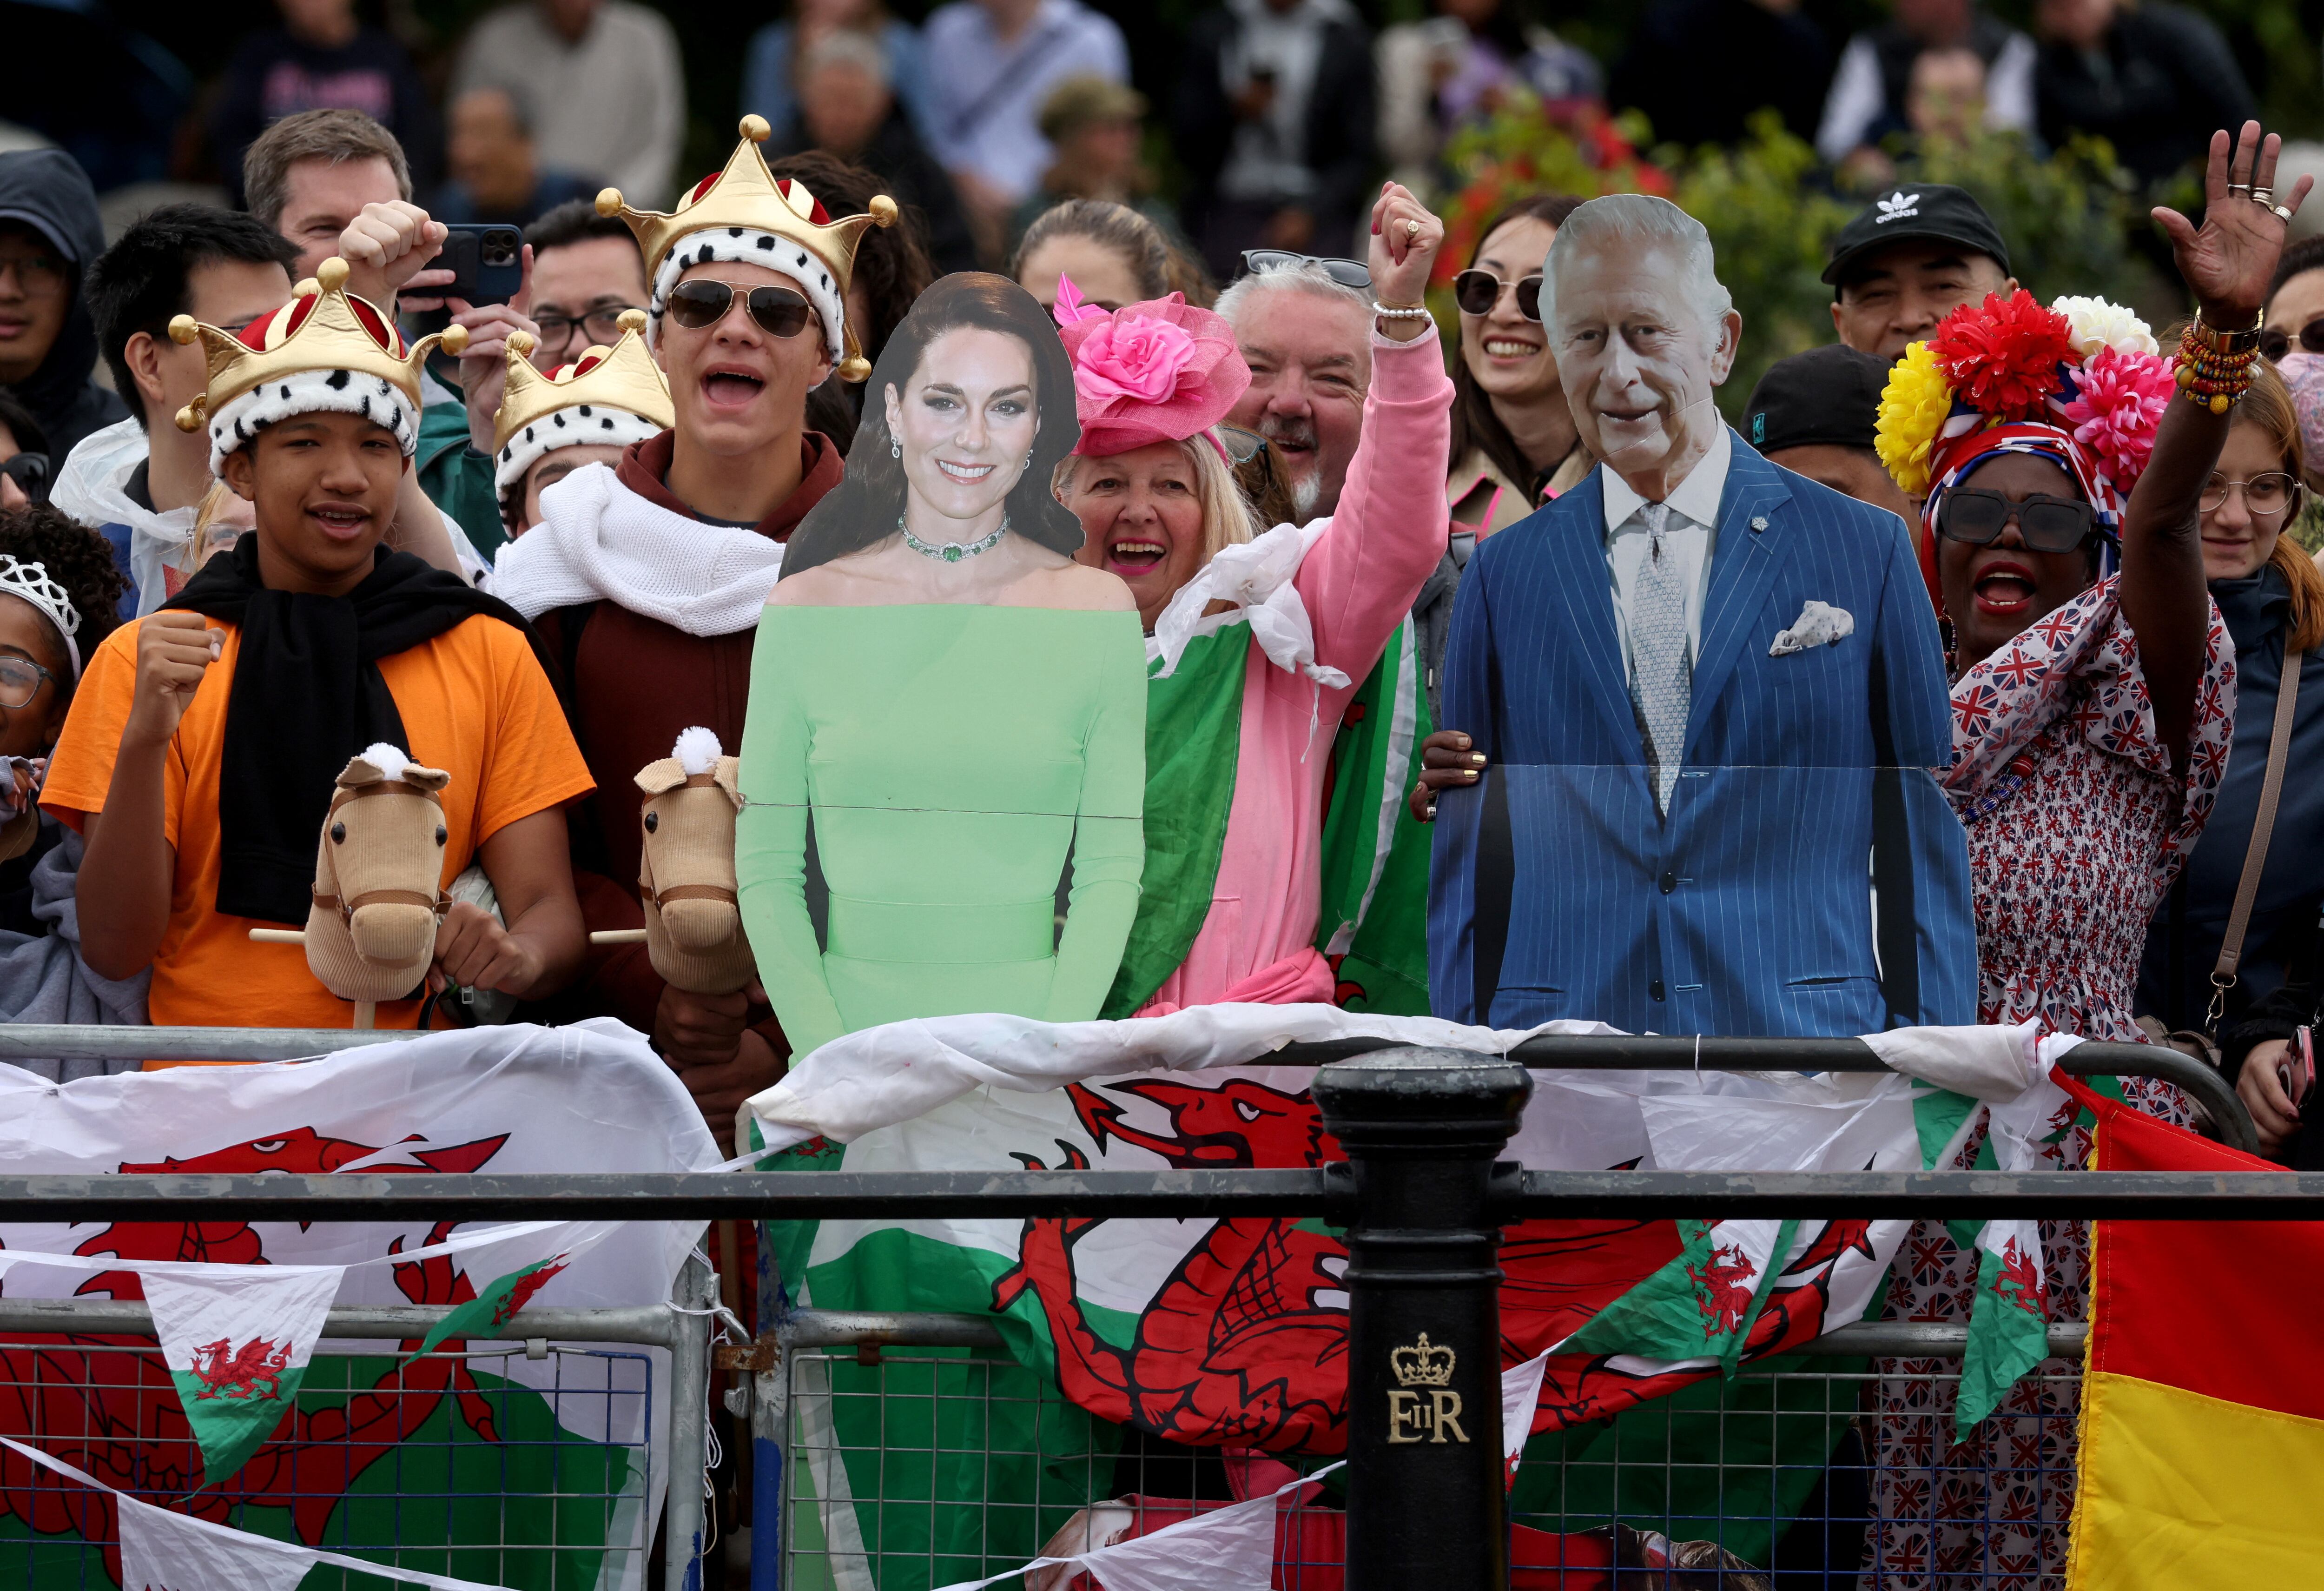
column 1256, row 642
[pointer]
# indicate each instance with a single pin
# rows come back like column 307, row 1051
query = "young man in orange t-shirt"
column 203, row 746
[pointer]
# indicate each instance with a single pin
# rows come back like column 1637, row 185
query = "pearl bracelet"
column 1417, row 312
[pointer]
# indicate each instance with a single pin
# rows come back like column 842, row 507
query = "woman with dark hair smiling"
column 957, row 702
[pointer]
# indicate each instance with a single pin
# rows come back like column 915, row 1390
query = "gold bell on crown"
column 746, row 195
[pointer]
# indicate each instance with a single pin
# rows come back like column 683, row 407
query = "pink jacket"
column 1357, row 582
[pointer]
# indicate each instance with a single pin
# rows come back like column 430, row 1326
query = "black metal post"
column 1422, row 1129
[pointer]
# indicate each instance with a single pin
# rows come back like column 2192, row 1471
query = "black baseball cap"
column 1828, row 395
column 1917, row 212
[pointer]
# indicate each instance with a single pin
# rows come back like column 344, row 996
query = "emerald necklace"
column 953, row 551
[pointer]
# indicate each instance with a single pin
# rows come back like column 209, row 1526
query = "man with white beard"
column 1306, row 336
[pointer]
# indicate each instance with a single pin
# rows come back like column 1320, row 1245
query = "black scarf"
column 308, row 696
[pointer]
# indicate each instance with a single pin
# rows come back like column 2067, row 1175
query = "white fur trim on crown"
column 740, row 246
column 389, row 760
column 697, row 750
column 312, row 392
column 566, row 428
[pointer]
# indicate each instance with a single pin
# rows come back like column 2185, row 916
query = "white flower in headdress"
column 2098, row 324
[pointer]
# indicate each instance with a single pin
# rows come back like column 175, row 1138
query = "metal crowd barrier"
column 1421, row 1198
column 541, row 1495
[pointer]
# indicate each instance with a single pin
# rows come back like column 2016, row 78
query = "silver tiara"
column 31, row 581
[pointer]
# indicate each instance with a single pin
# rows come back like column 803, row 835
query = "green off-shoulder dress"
column 951, row 755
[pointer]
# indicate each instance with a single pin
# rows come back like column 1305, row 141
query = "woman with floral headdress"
column 2063, row 459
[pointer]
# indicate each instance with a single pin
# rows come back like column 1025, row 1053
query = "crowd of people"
column 1087, row 639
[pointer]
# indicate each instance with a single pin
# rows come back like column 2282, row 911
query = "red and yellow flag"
column 2202, row 1429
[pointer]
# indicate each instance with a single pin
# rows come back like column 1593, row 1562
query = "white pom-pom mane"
column 389, row 761
column 697, row 750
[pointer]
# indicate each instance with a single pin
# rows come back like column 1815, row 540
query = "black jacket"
column 1341, row 119
column 45, row 190
column 1700, row 68
column 2159, row 85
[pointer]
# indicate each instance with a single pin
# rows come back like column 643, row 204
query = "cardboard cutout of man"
column 1709, row 692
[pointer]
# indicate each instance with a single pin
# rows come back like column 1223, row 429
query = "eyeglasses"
column 779, row 311
column 38, row 273
column 1243, row 446
column 1352, row 273
column 20, row 680
column 2265, row 496
column 601, row 325
column 2276, row 342
column 30, row 471
column 1477, row 292
column 2045, row 525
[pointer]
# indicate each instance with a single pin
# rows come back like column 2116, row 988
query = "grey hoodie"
column 45, row 190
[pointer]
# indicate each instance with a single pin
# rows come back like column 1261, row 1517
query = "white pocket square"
column 1819, row 624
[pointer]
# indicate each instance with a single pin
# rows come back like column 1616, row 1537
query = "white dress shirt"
column 1689, row 534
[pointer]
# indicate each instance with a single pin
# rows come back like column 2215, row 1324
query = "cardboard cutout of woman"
column 958, row 703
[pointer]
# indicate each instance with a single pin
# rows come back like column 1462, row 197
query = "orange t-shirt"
column 474, row 703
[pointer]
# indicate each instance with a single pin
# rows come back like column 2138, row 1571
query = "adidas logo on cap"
column 1895, row 207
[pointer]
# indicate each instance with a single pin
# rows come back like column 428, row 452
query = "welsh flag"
column 1234, row 1332
column 308, row 1442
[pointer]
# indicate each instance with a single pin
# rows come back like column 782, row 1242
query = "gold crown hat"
column 610, row 396
column 743, row 215
column 324, row 351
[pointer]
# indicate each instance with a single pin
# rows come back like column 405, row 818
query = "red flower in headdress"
column 2001, row 358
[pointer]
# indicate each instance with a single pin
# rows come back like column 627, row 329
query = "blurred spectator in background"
column 1879, row 76
column 2155, row 80
column 1459, row 66
column 847, row 108
column 1275, row 123
column 496, row 175
column 1001, row 59
column 25, row 462
column 321, row 59
column 1700, row 68
column 310, row 176
column 49, row 234
column 891, row 270
column 599, row 80
column 140, row 480
column 1910, row 258
column 769, row 69
column 2295, row 304
column 1114, row 255
column 1096, row 125
column 1814, row 414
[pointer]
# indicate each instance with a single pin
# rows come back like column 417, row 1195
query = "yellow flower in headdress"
column 1912, row 410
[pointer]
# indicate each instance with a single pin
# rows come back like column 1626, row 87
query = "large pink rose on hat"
column 1162, row 371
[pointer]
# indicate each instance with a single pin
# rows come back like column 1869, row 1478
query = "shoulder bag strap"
column 2279, row 750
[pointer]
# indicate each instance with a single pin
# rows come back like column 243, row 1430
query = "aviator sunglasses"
column 1352, row 273
column 1477, row 291
column 2045, row 525
column 779, row 311
column 2276, row 342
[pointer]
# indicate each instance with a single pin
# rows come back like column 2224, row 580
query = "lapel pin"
column 1758, row 522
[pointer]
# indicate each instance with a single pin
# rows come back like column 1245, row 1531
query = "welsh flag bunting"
column 498, row 1301
column 2009, row 1321
column 1702, row 1304
column 237, row 1340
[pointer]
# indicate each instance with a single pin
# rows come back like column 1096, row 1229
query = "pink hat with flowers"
column 1161, row 371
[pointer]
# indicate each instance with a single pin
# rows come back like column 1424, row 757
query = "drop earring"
column 895, row 449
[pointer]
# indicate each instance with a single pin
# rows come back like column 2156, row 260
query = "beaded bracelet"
column 2209, row 373
column 1414, row 312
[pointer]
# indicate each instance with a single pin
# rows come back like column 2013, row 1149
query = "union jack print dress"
column 2076, row 824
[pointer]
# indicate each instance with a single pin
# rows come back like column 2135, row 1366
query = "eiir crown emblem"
column 1422, row 1365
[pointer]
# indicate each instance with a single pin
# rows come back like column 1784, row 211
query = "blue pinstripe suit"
column 1558, row 890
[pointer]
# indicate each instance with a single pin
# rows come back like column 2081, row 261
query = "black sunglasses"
column 779, row 311
column 2276, row 342
column 2045, row 525
column 30, row 471
column 1352, row 273
column 1477, row 291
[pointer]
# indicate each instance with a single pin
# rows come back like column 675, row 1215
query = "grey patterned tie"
column 1662, row 677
